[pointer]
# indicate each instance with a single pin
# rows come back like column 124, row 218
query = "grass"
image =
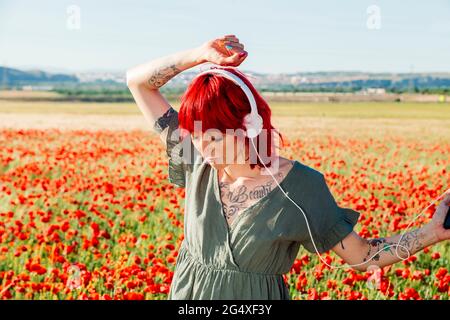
column 365, row 110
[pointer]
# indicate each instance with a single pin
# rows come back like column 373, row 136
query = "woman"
column 241, row 233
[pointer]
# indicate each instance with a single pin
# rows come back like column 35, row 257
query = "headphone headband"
column 253, row 122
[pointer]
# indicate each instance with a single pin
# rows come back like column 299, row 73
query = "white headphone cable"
column 312, row 238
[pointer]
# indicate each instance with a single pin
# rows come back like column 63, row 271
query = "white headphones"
column 253, row 124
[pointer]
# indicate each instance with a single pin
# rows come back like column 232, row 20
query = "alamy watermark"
column 373, row 21
column 73, row 21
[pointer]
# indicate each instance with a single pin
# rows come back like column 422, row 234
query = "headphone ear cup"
column 253, row 124
column 258, row 124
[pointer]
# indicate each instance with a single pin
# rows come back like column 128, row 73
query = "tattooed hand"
column 436, row 225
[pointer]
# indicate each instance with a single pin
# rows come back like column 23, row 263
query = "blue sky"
column 280, row 36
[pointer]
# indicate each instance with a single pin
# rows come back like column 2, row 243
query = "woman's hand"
column 225, row 51
column 436, row 225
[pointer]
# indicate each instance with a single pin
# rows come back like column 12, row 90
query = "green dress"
column 247, row 259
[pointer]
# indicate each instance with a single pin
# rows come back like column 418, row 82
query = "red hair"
column 221, row 104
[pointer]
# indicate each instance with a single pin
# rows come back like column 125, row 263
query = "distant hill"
column 337, row 81
column 14, row 77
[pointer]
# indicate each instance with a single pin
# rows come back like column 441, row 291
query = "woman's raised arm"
column 144, row 80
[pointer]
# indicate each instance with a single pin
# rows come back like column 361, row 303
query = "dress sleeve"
column 167, row 126
column 329, row 223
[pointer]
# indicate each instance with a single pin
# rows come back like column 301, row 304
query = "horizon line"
column 54, row 70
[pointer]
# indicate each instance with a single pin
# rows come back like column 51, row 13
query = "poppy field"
column 91, row 215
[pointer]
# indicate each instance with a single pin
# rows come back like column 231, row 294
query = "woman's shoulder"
column 293, row 167
column 306, row 175
column 300, row 167
column 307, row 169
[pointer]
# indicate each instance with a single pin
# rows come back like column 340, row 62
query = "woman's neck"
column 241, row 171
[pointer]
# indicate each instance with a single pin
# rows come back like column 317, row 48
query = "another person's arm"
column 356, row 250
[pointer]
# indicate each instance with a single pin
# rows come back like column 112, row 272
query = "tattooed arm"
column 144, row 80
column 363, row 252
column 356, row 250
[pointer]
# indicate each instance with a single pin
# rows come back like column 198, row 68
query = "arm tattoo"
column 376, row 244
column 163, row 75
column 164, row 120
column 410, row 240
